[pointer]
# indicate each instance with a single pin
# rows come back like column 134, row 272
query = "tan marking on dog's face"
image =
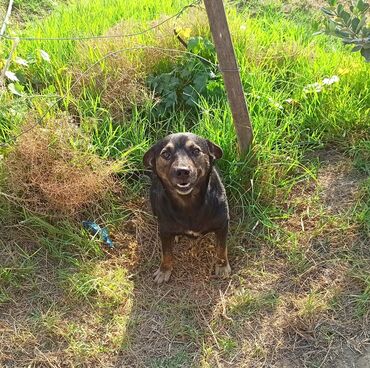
column 201, row 159
column 180, row 155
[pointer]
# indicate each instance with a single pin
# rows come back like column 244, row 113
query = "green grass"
column 297, row 264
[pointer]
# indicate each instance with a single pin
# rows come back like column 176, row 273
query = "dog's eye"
column 195, row 151
column 166, row 155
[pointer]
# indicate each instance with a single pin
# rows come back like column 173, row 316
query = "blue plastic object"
column 94, row 228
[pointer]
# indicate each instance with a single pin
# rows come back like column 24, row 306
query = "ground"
column 272, row 311
column 73, row 131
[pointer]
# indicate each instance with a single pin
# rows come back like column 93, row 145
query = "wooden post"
column 2, row 31
column 230, row 70
column 6, row 19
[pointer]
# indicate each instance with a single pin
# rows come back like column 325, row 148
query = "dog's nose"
column 182, row 172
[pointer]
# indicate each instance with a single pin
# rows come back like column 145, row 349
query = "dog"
column 187, row 196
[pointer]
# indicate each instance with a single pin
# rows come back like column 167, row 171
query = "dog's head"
column 182, row 161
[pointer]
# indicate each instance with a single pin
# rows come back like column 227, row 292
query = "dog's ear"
column 149, row 156
column 214, row 150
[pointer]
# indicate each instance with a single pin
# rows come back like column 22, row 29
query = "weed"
column 109, row 287
column 247, row 304
column 189, row 79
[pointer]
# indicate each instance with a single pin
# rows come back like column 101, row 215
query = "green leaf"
column 331, row 27
column 357, row 48
column 354, row 24
column 15, row 89
column 328, row 12
column 346, row 17
column 170, row 99
column 362, row 6
column 190, row 96
column 366, row 54
column 194, row 44
column 343, row 34
column 332, row 2
column 340, row 8
column 200, row 81
column 361, row 23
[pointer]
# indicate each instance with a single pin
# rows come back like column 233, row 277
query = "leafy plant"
column 350, row 24
column 195, row 76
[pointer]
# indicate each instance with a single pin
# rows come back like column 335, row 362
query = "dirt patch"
column 339, row 180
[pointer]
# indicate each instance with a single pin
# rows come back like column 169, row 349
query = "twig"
column 7, row 64
column 209, row 327
column 327, row 353
column 177, row 35
column 223, row 303
column 6, row 19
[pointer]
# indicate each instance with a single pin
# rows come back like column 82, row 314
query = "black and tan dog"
column 187, row 196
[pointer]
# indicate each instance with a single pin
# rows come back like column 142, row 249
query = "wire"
column 80, row 38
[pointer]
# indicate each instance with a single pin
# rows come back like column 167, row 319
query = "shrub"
column 349, row 24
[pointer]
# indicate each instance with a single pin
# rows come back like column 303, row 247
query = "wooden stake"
column 6, row 19
column 230, row 70
column 15, row 43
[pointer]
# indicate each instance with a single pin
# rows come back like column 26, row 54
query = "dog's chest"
column 192, row 233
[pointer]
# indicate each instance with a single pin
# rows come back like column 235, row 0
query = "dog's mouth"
column 184, row 188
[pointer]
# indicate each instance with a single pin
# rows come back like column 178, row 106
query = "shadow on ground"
column 293, row 302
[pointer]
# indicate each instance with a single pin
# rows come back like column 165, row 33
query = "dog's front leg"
column 164, row 271
column 222, row 268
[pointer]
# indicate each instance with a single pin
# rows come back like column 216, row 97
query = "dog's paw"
column 161, row 276
column 223, row 271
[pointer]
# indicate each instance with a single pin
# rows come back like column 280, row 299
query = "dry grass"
column 288, row 304
column 121, row 78
column 49, row 175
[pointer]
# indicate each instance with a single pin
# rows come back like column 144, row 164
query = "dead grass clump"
column 52, row 171
column 120, row 85
column 120, row 78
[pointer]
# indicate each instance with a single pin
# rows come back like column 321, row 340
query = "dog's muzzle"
column 184, row 188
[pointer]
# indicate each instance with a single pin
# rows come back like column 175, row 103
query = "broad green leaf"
column 200, row 81
column 340, row 8
column 354, row 24
column 366, row 54
column 362, row 6
column 346, row 17
column 361, row 23
column 328, row 12
column 12, row 88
